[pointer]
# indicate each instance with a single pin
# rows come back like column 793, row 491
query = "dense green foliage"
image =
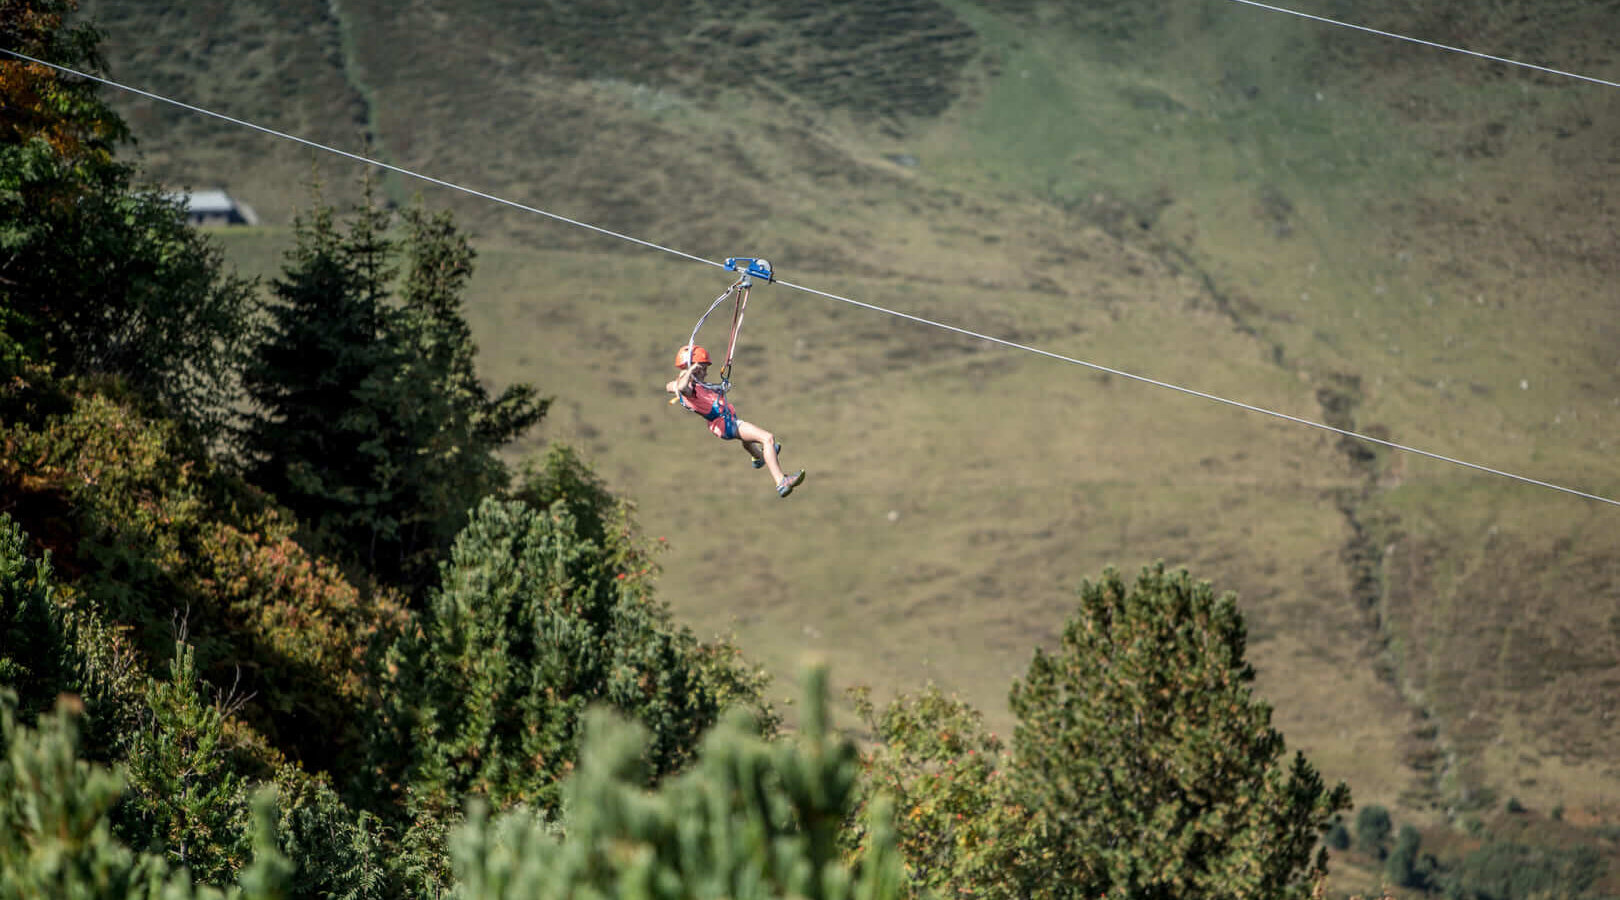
column 1147, row 765
column 152, row 534
column 56, row 838
column 1141, row 765
column 531, row 623
column 191, row 765
column 753, row 819
column 1498, row 867
column 945, row 777
column 370, row 422
column 101, row 275
column 33, row 649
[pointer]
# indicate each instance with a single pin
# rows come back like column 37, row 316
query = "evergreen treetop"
column 369, row 420
column 1148, row 767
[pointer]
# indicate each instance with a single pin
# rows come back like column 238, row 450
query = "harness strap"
column 692, row 341
column 739, row 288
column 736, row 326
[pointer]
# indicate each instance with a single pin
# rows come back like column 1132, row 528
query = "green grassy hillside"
column 1409, row 243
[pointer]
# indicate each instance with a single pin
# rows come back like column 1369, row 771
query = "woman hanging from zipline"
column 709, row 400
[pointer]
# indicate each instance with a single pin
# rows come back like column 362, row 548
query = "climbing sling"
column 751, row 269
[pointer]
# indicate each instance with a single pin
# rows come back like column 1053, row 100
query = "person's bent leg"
column 750, row 433
column 756, row 451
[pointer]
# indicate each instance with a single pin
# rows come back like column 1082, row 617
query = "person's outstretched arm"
column 682, row 383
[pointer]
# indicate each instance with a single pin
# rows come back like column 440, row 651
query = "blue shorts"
column 724, row 424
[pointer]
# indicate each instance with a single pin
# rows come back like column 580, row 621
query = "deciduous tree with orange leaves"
column 37, row 101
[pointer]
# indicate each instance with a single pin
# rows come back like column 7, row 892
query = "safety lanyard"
column 738, row 289
column 751, row 269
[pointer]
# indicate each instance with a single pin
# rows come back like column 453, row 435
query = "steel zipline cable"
column 829, row 296
column 1438, row 46
column 354, row 156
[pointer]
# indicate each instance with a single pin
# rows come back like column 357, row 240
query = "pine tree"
column 371, row 423
column 34, row 650
column 751, row 821
column 1147, row 766
column 454, row 425
column 440, row 265
column 56, row 836
column 338, row 852
column 531, row 624
column 49, row 648
column 562, row 476
column 325, row 347
column 185, row 794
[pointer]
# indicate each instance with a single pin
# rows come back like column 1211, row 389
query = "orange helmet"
column 690, row 353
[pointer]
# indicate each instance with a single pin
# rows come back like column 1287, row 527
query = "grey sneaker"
column 760, row 463
column 789, row 482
